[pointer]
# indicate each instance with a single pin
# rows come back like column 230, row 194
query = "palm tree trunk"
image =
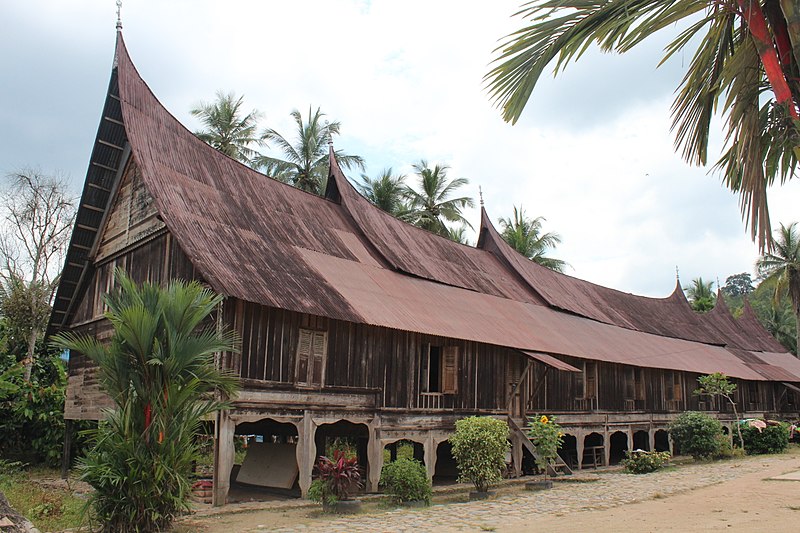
column 797, row 334
column 792, row 15
column 757, row 26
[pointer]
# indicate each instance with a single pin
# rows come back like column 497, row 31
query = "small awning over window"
column 549, row 360
column 791, row 387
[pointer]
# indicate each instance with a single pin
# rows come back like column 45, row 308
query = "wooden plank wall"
column 157, row 259
column 560, row 392
column 368, row 357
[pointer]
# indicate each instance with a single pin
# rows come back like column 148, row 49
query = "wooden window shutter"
column 319, row 351
column 450, row 370
column 591, row 380
column 303, row 355
column 676, row 386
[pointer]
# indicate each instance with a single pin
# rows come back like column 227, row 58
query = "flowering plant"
column 547, row 437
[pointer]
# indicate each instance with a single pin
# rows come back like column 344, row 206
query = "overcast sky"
column 592, row 153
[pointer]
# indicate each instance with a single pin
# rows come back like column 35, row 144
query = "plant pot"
column 541, row 484
column 475, row 495
column 343, row 507
column 202, row 491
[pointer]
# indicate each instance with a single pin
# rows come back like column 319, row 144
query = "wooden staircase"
column 560, row 467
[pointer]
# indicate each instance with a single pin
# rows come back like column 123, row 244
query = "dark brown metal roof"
column 421, row 253
column 262, row 241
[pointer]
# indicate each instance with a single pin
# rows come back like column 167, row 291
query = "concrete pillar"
column 579, row 443
column 430, row 456
column 306, row 452
column 606, row 447
column 630, row 440
column 374, row 456
column 652, row 439
column 224, row 453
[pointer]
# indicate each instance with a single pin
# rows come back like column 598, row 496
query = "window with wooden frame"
column 586, row 381
column 752, row 395
column 673, row 389
column 634, row 383
column 439, row 369
column 312, row 352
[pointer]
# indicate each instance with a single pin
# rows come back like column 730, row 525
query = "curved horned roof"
column 259, row 240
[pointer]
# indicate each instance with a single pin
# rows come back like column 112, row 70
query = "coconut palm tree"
column 744, row 49
column 701, row 295
column 783, row 265
column 432, row 206
column 159, row 370
column 304, row 163
column 525, row 236
column 386, row 191
column 458, row 235
column 226, row 129
column 780, row 322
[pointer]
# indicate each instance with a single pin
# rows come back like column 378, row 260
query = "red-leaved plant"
column 340, row 475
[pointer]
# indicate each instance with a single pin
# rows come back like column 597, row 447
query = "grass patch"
column 49, row 508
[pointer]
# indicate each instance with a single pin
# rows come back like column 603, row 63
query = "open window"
column 439, row 369
column 634, row 387
column 673, row 390
column 312, row 351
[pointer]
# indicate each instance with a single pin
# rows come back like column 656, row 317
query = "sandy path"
column 730, row 496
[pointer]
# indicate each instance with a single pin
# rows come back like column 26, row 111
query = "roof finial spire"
column 480, row 195
column 677, row 274
column 119, row 16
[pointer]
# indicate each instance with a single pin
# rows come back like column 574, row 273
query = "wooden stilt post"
column 223, row 457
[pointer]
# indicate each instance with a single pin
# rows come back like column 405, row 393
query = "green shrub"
column 406, row 480
column 642, row 462
column 479, row 446
column 772, row 439
column 696, row 434
column 32, row 412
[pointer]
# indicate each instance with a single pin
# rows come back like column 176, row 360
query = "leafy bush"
column 772, row 439
column 642, row 462
column 337, row 477
column 696, row 434
column 479, row 446
column 32, row 412
column 546, row 435
column 406, row 480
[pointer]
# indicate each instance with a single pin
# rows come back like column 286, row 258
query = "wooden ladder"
column 560, row 467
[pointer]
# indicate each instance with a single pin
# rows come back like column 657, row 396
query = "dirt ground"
column 749, row 502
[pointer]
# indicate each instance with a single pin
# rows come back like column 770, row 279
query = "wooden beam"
column 111, row 145
column 104, row 167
